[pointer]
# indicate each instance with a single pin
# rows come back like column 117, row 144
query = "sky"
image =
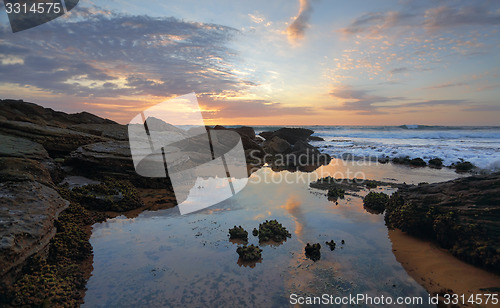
column 307, row 62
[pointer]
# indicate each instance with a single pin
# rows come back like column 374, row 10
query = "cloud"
column 447, row 16
column 296, row 30
column 378, row 22
column 364, row 103
column 243, row 108
column 399, row 70
column 483, row 108
column 110, row 55
column 448, row 85
column 424, row 16
column 360, row 101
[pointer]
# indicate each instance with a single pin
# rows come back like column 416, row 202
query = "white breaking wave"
column 479, row 145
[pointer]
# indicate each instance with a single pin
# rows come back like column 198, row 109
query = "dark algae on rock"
column 57, row 281
column 462, row 215
column 110, row 195
column 375, row 201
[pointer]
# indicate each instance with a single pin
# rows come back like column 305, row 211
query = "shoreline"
column 437, row 270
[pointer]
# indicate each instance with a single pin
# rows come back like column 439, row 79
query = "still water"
column 163, row 259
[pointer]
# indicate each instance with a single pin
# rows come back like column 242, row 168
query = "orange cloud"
column 297, row 28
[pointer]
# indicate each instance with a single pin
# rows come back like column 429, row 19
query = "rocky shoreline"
column 462, row 215
column 60, row 173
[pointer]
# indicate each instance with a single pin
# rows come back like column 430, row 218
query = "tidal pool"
column 163, row 259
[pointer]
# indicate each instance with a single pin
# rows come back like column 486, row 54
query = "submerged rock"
column 238, row 233
column 273, row 230
column 313, row 251
column 249, row 253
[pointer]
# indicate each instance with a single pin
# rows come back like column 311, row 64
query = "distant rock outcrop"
column 18, row 110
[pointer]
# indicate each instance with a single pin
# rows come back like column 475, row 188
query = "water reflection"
column 163, row 259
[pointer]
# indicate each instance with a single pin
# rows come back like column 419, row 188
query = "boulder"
column 302, row 145
column 276, row 146
column 315, row 138
column 267, row 135
column 246, row 131
column 293, row 135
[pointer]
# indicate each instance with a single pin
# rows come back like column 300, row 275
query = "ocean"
column 478, row 144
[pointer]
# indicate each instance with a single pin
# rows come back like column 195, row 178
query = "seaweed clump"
column 110, row 195
column 335, row 193
column 272, row 230
column 376, row 201
column 238, row 233
column 313, row 251
column 331, row 244
column 249, row 253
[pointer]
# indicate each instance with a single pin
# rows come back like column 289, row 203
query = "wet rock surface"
column 462, row 215
column 28, row 210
